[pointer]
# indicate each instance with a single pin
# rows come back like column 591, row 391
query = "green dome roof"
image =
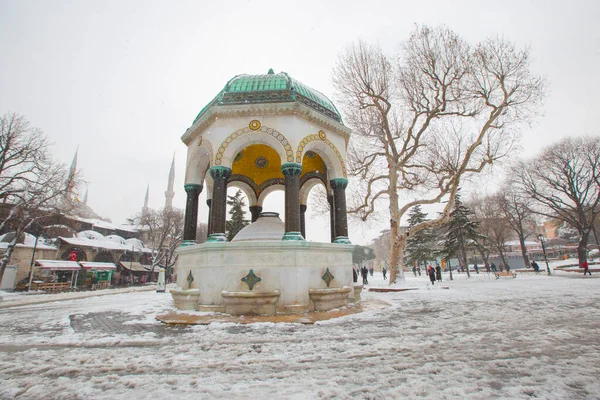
column 271, row 88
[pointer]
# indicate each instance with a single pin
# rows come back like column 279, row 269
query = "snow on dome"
column 268, row 226
column 90, row 235
column 135, row 243
column 116, row 239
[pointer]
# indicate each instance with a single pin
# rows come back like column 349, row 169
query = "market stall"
column 99, row 274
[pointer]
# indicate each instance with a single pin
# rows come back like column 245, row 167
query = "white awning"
column 57, row 265
column 98, row 265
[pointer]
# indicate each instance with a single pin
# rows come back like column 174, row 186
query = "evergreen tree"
column 461, row 231
column 236, row 222
column 420, row 246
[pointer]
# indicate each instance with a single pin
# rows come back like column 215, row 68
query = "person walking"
column 384, row 273
column 476, row 268
column 586, row 268
column 438, row 272
column 415, row 271
column 431, row 273
column 364, row 272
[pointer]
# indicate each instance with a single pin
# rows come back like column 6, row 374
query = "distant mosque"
column 85, row 218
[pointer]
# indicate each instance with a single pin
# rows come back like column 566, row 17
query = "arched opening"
column 104, row 256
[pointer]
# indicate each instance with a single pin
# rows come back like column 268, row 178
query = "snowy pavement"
column 531, row 337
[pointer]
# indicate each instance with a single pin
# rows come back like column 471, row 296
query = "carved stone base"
column 357, row 290
column 342, row 240
column 185, row 299
column 292, row 236
column 328, row 299
column 218, row 308
column 216, row 237
column 250, row 303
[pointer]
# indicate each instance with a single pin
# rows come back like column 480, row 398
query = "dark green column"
column 208, row 203
column 191, row 213
column 338, row 185
column 303, row 220
column 255, row 211
column 331, row 217
column 291, row 172
column 218, row 207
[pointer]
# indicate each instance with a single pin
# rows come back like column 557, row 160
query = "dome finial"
column 271, row 72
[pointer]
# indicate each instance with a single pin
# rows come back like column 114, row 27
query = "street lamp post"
column 541, row 239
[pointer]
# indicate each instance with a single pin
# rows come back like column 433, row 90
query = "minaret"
column 169, row 194
column 72, row 170
column 146, row 199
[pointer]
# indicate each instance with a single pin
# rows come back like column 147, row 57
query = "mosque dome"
column 271, row 88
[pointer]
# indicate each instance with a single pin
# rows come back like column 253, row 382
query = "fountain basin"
column 289, row 267
column 185, row 299
column 250, row 303
column 329, row 298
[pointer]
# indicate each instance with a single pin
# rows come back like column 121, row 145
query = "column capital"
column 192, row 188
column 219, row 171
column 291, row 169
column 339, row 183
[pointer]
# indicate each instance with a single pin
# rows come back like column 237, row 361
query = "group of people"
column 364, row 273
column 435, row 274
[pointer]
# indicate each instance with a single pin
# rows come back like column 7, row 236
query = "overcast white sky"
column 123, row 80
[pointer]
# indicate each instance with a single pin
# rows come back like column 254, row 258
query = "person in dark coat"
column 431, row 273
column 354, row 275
column 415, row 271
column 438, row 272
column 384, row 273
column 535, row 267
column 364, row 272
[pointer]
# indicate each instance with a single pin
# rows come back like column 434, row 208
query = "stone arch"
column 254, row 133
column 268, row 190
column 326, row 149
column 104, row 256
column 200, row 158
column 247, row 189
column 307, row 187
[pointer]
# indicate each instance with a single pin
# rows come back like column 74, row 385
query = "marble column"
column 331, row 217
column 191, row 213
column 338, row 185
column 303, row 220
column 255, row 211
column 218, row 207
column 291, row 171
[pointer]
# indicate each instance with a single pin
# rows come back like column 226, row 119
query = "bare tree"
column 164, row 233
column 519, row 215
column 32, row 184
column 422, row 124
column 564, row 184
column 494, row 227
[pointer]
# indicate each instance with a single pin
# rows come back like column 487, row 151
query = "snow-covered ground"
column 531, row 337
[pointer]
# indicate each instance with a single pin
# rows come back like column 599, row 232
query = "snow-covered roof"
column 58, row 265
column 106, row 225
column 116, row 239
column 105, row 244
column 91, row 235
column 97, row 265
column 28, row 241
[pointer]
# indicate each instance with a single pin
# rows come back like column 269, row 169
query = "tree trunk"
column 582, row 248
column 524, row 251
column 397, row 244
column 6, row 257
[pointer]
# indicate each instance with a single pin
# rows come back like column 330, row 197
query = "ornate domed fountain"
column 263, row 133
